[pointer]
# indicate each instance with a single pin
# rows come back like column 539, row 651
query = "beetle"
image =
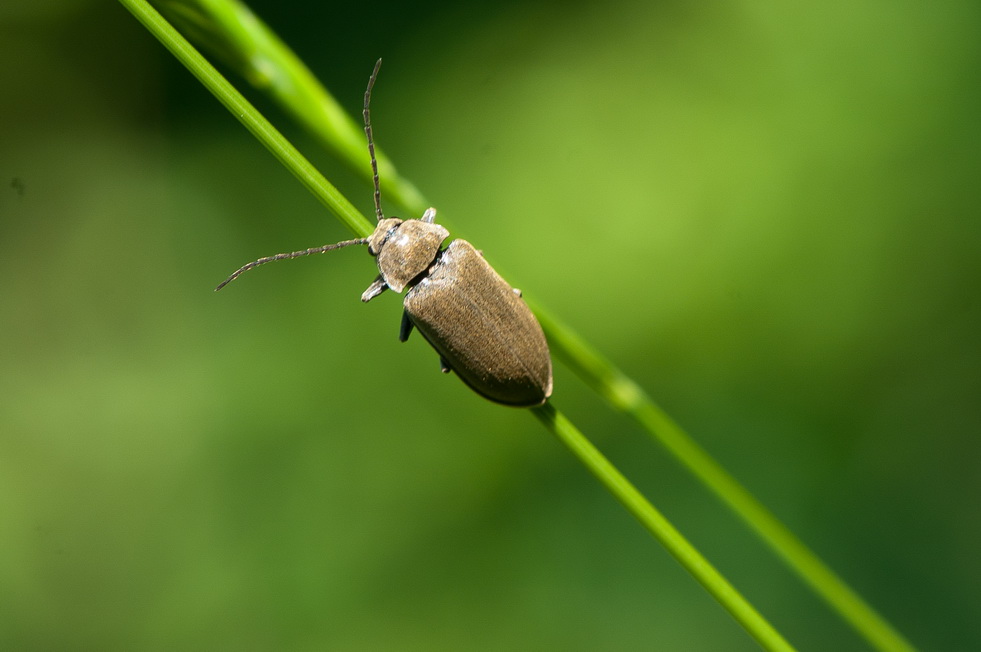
column 478, row 324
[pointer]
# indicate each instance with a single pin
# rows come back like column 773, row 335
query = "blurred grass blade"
column 239, row 38
column 261, row 128
column 230, row 30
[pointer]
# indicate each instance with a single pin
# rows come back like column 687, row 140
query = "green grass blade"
column 261, row 128
column 661, row 529
column 624, row 394
column 247, row 45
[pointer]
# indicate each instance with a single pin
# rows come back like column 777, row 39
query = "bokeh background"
column 767, row 214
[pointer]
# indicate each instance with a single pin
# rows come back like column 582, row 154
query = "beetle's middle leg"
column 406, row 326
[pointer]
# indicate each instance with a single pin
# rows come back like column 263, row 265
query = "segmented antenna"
column 347, row 243
column 371, row 143
column 296, row 254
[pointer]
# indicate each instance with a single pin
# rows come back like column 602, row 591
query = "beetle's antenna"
column 371, row 143
column 296, row 254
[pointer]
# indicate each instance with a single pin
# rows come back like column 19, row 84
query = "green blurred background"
column 767, row 215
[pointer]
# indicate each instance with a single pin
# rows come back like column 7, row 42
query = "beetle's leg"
column 516, row 291
column 406, row 327
column 429, row 216
column 377, row 287
column 444, row 366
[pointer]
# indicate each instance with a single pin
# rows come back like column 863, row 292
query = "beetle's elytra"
column 478, row 324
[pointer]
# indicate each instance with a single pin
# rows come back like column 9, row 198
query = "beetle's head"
column 385, row 229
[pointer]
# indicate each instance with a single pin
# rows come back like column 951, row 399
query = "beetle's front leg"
column 377, row 287
column 406, row 326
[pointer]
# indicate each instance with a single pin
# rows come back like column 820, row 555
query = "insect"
column 478, row 324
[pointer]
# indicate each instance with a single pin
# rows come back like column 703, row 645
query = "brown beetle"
column 477, row 323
